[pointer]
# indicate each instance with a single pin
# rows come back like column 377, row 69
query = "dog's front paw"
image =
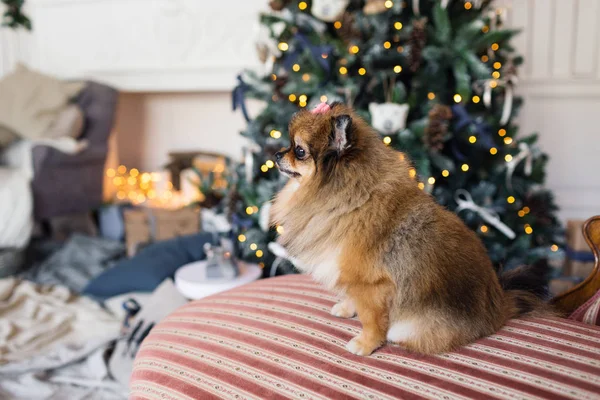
column 361, row 347
column 343, row 309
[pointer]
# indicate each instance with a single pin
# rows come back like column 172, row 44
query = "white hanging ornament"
column 415, row 7
column 388, row 118
column 329, row 10
column 266, row 45
column 264, row 216
column 465, row 202
column 248, row 153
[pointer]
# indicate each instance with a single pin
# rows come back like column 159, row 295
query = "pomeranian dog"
column 355, row 220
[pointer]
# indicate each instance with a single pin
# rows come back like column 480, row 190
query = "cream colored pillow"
column 6, row 137
column 30, row 101
column 69, row 123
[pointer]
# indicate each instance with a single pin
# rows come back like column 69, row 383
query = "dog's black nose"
column 278, row 156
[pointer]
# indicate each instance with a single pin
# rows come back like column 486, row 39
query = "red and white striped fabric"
column 588, row 313
column 275, row 339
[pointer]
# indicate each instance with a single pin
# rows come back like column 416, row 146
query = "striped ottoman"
column 275, row 339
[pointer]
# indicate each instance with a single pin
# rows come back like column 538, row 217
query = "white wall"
column 560, row 81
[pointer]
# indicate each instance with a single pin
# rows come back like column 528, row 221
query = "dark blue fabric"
column 147, row 269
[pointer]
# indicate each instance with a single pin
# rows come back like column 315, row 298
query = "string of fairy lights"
column 353, row 49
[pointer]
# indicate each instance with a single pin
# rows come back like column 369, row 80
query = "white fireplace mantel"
column 145, row 45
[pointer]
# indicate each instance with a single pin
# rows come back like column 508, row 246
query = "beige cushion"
column 69, row 123
column 30, row 101
column 6, row 136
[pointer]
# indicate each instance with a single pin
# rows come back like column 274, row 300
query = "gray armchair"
column 68, row 184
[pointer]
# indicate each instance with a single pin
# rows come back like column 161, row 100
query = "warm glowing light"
column 302, row 104
column 495, row 46
column 283, row 46
column 497, row 65
column 398, row 25
column 527, row 210
column 431, row 95
column 400, row 49
column 387, row 140
column 303, row 98
column 362, row 71
column 118, row 181
column 253, row 246
column 465, row 167
column 354, row 49
column 508, row 158
column 324, row 56
column 122, row 169
column 495, row 74
column 274, row 77
column 323, row 99
column 110, row 173
column 280, row 229
column 431, row 180
column 457, row 98
column 275, row 134
column 302, row 5
column 521, row 213
column 445, row 173
column 485, row 29
column 259, row 253
column 510, row 199
column 306, row 77
column 131, row 180
column 292, row 97
column 493, row 151
column 264, row 168
column 134, row 172
column 270, row 164
column 151, row 194
column 121, row 195
column 484, row 58
column 296, row 67
column 476, row 99
column 249, row 210
column 337, row 24
column 508, row 140
column 502, row 132
column 483, row 229
column 242, row 238
column 472, row 139
column 388, row 4
column 421, row 185
column 554, row 248
column 412, row 172
column 528, row 230
column 397, row 69
column 343, row 70
column 468, row 5
column 493, row 84
column 387, row 45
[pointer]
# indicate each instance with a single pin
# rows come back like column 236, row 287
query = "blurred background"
column 133, row 133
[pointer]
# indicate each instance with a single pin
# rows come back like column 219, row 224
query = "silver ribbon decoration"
column 465, row 202
column 508, row 84
column 525, row 153
column 415, row 7
column 248, row 152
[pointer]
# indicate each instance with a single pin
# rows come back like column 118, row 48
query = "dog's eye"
column 299, row 152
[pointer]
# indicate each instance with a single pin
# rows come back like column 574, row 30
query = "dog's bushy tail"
column 526, row 290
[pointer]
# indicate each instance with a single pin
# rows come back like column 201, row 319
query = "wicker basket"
column 11, row 261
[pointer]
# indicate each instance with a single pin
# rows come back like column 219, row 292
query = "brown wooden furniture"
column 574, row 298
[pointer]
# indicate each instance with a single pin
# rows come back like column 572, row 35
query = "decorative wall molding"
column 146, row 45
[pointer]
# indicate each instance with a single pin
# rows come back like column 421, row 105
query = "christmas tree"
column 436, row 79
column 13, row 16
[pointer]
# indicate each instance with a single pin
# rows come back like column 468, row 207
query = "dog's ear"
column 341, row 130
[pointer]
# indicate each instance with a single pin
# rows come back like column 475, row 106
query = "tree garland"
column 13, row 17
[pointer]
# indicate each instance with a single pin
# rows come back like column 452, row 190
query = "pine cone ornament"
column 349, row 31
column 417, row 40
column 439, row 119
column 278, row 5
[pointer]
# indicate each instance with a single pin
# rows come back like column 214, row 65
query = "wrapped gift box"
column 580, row 260
column 146, row 225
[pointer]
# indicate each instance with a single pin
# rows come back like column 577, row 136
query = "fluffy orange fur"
column 357, row 222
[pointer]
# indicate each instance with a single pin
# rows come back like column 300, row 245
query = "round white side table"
column 191, row 281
